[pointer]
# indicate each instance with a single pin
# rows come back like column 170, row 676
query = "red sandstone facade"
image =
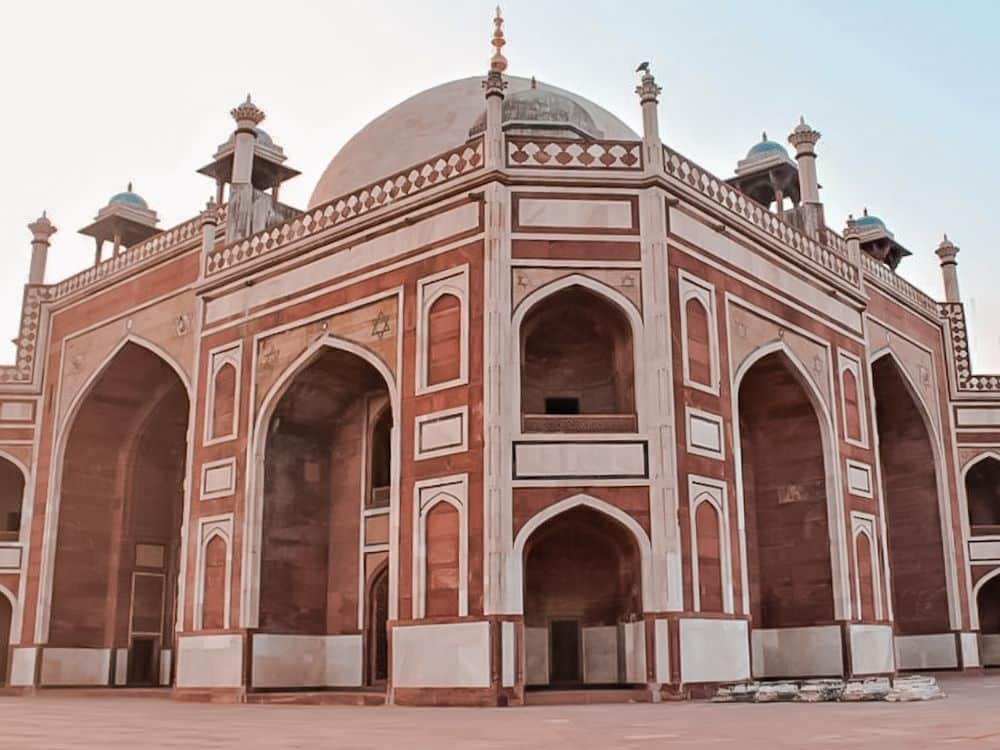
column 552, row 408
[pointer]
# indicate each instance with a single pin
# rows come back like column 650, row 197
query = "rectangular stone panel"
column 797, row 652
column 445, row 655
column 581, row 460
column 10, row 557
column 714, row 650
column 984, row 549
column 206, row 661
column 561, row 213
column 969, row 417
column 934, row 651
column 872, row 649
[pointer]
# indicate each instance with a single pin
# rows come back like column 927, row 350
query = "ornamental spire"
column 247, row 115
column 498, row 62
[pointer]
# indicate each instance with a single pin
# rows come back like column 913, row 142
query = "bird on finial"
column 643, row 67
column 865, row 211
column 498, row 62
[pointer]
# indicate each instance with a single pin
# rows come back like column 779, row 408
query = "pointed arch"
column 256, row 449
column 54, row 497
column 616, row 300
column 516, row 559
column 923, row 411
column 835, row 510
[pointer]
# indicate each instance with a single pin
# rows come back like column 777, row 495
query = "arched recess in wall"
column 986, row 596
column 852, row 405
column 582, row 629
column 982, row 494
column 442, row 538
column 708, row 560
column 444, row 339
column 865, row 556
column 788, row 489
column 699, row 357
column 120, row 470
column 215, row 574
column 8, row 609
column 578, row 345
column 13, row 488
column 314, row 417
column 223, row 401
column 914, row 524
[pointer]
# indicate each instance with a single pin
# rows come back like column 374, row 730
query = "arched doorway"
column 327, row 456
column 11, row 499
column 577, row 365
column 785, row 498
column 988, row 601
column 582, row 602
column 118, row 544
column 376, row 628
column 913, row 521
column 6, row 622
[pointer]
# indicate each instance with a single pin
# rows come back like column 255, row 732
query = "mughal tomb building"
column 521, row 400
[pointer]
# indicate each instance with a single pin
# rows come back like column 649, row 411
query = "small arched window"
column 444, row 340
column 380, row 460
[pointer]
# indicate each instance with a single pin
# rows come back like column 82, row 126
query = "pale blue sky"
column 905, row 93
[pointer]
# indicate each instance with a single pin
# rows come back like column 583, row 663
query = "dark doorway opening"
column 142, row 666
column 378, row 635
column 564, row 640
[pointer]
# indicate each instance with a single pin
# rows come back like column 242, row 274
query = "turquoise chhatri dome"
column 869, row 222
column 766, row 147
column 128, row 198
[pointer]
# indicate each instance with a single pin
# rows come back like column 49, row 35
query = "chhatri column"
column 804, row 139
column 239, row 216
column 947, row 251
column 649, row 94
column 41, row 231
column 494, row 86
column 247, row 117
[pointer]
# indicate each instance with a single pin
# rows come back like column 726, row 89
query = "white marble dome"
column 430, row 122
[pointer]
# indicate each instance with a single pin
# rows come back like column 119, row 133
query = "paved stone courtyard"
column 968, row 718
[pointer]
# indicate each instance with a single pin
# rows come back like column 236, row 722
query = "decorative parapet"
column 436, row 171
column 883, row 276
column 953, row 314
column 155, row 245
column 22, row 371
column 568, row 153
column 831, row 258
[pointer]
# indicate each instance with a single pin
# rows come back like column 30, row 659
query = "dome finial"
column 865, row 211
column 248, row 115
column 498, row 62
column 129, row 188
column 763, row 136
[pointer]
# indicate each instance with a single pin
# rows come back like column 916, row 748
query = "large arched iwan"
column 582, row 581
column 118, row 549
column 785, row 498
column 314, row 477
column 913, row 520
